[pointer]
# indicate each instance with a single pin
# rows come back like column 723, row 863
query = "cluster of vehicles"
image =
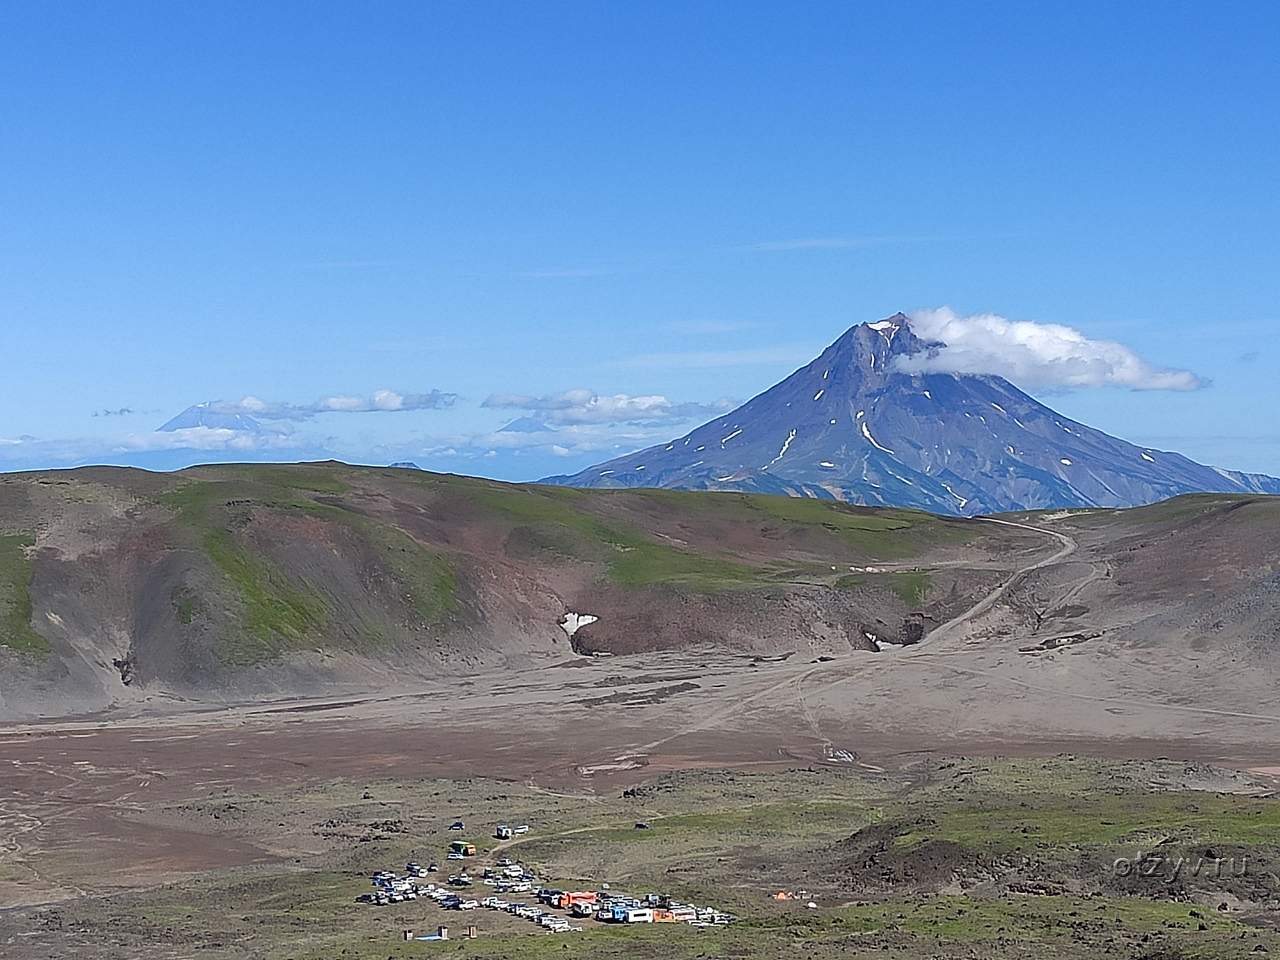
column 389, row 888
column 506, row 877
column 509, row 878
column 502, row 831
column 543, row 918
column 609, row 907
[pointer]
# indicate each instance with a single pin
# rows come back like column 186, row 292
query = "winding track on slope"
column 1069, row 546
column 797, row 681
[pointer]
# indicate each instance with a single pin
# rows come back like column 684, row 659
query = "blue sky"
column 297, row 202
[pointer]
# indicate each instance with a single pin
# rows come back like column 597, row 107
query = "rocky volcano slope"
column 851, row 426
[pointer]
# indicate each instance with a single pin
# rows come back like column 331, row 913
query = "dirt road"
column 1069, row 546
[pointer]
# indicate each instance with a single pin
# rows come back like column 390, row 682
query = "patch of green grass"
column 540, row 541
column 1177, row 510
column 808, row 510
column 278, row 614
column 646, row 859
column 299, row 477
column 16, row 632
column 427, row 577
column 1133, row 817
column 881, row 533
column 746, row 824
column 911, row 586
column 1040, row 919
column 631, row 557
column 1078, row 927
column 648, row 564
column 186, row 605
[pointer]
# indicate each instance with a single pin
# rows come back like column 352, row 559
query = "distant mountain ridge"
column 851, row 426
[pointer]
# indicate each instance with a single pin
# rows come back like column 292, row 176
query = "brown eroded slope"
column 238, row 582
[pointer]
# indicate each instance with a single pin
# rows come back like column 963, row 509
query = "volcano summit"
column 852, row 425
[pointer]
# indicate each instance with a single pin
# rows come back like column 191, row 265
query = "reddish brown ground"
column 77, row 794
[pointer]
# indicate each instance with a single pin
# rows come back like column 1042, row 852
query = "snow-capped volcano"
column 851, row 426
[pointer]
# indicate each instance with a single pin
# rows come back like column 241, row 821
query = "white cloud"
column 575, row 407
column 1033, row 354
column 597, row 439
column 197, row 438
column 380, row 400
column 29, row 452
column 388, row 400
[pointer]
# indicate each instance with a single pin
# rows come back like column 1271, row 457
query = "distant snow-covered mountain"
column 205, row 415
column 852, row 426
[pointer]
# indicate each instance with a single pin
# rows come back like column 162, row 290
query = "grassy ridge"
column 566, row 521
column 281, row 558
column 280, row 611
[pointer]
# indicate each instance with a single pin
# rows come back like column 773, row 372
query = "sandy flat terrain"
column 73, row 791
